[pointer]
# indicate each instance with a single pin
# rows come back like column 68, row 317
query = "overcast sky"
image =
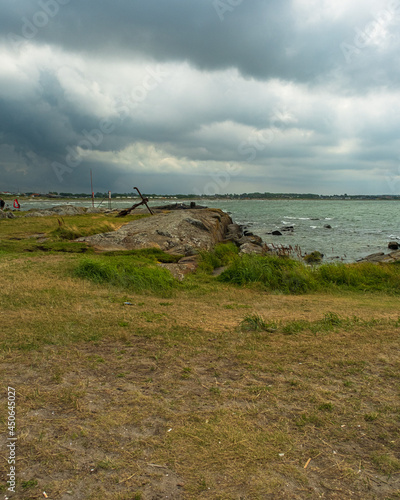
column 200, row 96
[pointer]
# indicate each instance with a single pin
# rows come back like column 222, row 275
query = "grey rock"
column 254, row 240
column 249, row 248
column 182, row 232
column 163, row 233
column 67, row 210
column 41, row 213
column 234, row 232
column 198, row 223
column 381, row 257
column 393, row 245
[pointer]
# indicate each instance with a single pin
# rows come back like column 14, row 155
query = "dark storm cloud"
column 263, row 39
column 171, row 92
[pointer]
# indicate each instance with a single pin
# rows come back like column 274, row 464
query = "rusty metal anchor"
column 143, row 202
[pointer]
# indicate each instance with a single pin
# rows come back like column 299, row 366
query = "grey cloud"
column 262, row 38
column 269, row 87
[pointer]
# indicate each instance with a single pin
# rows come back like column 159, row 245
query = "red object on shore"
column 16, row 204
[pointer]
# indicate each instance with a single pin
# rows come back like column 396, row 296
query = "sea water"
column 358, row 227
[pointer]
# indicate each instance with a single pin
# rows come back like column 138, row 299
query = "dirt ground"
column 172, row 398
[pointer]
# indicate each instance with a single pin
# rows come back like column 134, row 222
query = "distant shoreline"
column 103, row 201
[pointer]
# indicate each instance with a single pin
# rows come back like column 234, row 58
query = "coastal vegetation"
column 275, row 379
column 285, row 275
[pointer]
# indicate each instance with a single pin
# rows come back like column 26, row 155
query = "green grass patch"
column 9, row 247
column 127, row 275
column 386, row 463
column 20, row 234
column 72, row 232
column 364, row 277
column 330, row 322
column 292, row 277
column 222, row 255
column 271, row 273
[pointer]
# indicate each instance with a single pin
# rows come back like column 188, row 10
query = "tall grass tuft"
column 273, row 273
column 289, row 276
column 222, row 255
column 365, row 276
column 255, row 323
column 127, row 275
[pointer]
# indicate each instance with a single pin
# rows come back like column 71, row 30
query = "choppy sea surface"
column 358, row 227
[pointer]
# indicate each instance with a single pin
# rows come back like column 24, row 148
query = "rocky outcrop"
column 381, row 257
column 181, row 232
column 251, row 248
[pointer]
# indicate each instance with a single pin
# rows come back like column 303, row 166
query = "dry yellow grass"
column 168, row 397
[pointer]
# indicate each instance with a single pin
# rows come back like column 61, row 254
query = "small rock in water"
column 393, row 245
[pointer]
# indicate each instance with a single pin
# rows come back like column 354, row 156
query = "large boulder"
column 393, row 245
column 182, row 232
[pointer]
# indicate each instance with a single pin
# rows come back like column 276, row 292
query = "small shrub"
column 313, row 257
